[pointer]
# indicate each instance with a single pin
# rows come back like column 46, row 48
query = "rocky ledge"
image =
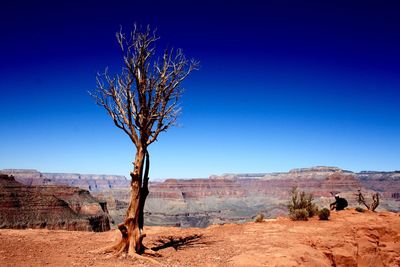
column 51, row 207
column 348, row 238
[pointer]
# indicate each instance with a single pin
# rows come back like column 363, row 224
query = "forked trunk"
column 132, row 227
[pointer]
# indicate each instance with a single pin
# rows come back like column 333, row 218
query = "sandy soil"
column 349, row 238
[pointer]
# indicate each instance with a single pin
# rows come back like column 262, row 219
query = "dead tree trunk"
column 142, row 101
column 361, row 200
column 375, row 202
column 132, row 227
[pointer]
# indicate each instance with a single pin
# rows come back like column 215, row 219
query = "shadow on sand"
column 179, row 242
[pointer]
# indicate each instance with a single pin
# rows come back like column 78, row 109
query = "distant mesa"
column 51, row 207
column 91, row 182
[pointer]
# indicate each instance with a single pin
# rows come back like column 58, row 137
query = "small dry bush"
column 324, row 214
column 301, row 205
column 299, row 215
column 259, row 218
column 359, row 209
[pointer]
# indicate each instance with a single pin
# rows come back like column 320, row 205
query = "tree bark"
column 132, row 227
column 375, row 201
column 144, row 190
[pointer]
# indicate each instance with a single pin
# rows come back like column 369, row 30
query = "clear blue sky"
column 282, row 84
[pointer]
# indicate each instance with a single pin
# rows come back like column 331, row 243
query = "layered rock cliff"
column 228, row 197
column 51, row 207
column 91, row 182
column 239, row 197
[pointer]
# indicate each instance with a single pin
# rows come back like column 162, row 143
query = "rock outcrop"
column 51, row 207
column 348, row 238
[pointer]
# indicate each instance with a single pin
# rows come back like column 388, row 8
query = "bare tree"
column 142, row 101
column 361, row 200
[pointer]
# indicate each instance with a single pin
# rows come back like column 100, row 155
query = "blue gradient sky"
column 282, row 84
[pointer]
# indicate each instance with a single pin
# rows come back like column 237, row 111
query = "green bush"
column 299, row 215
column 259, row 218
column 324, row 214
column 359, row 209
column 300, row 201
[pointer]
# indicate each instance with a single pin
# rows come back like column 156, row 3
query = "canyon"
column 226, row 198
column 53, row 207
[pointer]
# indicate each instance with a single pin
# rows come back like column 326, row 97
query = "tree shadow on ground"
column 179, row 242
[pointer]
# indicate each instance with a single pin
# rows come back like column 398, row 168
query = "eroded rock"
column 51, row 207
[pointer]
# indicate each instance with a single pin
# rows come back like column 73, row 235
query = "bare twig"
column 361, row 200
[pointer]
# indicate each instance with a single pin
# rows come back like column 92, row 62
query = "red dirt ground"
column 349, row 238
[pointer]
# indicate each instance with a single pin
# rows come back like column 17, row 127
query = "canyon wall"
column 228, row 197
column 51, row 207
column 91, row 182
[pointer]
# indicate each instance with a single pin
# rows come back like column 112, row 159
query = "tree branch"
column 144, row 101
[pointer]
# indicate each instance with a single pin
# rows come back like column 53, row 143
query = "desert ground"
column 349, row 238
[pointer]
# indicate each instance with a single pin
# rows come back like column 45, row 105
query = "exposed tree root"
column 105, row 250
column 121, row 249
column 149, row 251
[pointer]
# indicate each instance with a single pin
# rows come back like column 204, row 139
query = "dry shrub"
column 324, row 214
column 301, row 205
column 359, row 209
column 259, row 218
column 299, row 215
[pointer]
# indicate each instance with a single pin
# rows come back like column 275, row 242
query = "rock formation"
column 91, row 182
column 228, row 197
column 51, row 207
column 348, row 238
